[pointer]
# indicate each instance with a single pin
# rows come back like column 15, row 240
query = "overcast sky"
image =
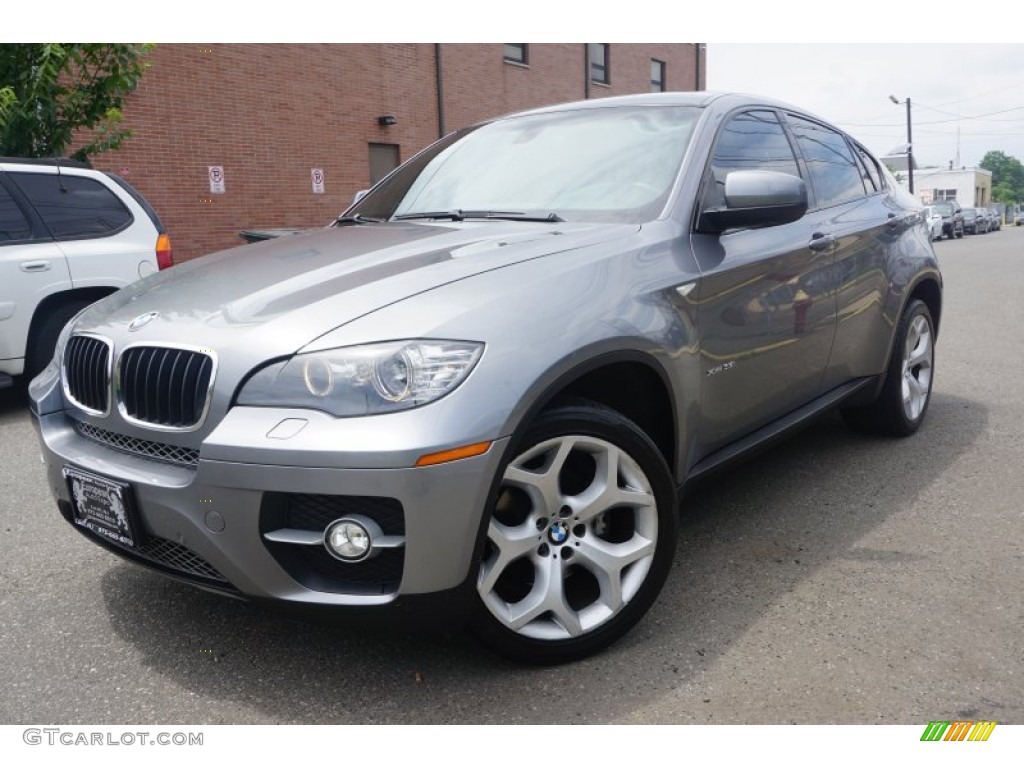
column 950, row 86
column 846, row 83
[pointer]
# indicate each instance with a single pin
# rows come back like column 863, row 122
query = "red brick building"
column 270, row 114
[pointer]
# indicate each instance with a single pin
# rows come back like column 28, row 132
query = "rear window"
column 73, row 206
column 138, row 198
column 835, row 176
column 873, row 177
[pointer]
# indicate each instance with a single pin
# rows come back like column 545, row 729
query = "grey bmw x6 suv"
column 478, row 396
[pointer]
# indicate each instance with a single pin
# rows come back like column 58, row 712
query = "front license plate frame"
column 104, row 506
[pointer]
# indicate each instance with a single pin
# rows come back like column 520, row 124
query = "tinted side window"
column 72, row 206
column 13, row 224
column 834, row 173
column 873, row 177
column 751, row 141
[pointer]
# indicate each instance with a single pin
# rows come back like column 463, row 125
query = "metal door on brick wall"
column 383, row 159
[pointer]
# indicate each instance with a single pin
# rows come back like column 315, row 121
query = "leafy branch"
column 54, row 94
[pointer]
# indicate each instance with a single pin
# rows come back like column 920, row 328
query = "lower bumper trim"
column 167, row 557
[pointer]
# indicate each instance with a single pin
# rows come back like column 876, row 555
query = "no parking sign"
column 216, row 173
column 317, row 176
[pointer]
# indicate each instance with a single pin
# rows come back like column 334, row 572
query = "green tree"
column 1007, row 175
column 1004, row 193
column 52, row 94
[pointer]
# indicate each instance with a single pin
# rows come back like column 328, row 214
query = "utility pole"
column 910, row 143
column 910, row 151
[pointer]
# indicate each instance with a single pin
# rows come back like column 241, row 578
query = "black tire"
column 589, row 438
column 42, row 340
column 891, row 414
column 960, row 233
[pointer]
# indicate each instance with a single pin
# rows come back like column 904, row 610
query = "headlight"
column 364, row 380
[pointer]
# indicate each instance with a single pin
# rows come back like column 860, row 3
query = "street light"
column 910, row 143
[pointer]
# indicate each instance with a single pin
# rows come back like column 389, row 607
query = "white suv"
column 69, row 235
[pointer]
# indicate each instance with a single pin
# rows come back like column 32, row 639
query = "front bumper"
column 213, row 513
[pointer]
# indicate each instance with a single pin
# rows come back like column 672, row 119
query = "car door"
column 31, row 268
column 870, row 228
column 766, row 306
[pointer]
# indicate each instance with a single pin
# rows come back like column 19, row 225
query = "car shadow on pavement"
column 13, row 400
column 749, row 538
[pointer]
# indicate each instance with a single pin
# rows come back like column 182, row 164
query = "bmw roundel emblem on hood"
column 142, row 320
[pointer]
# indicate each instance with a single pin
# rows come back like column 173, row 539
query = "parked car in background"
column 69, row 235
column 995, row 220
column 1018, row 218
column 952, row 217
column 975, row 222
column 933, row 220
column 986, row 216
column 479, row 396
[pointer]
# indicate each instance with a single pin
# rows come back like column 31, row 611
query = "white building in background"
column 971, row 187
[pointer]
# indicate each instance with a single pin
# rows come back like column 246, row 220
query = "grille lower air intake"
column 146, row 449
column 165, row 386
column 178, row 557
column 87, row 372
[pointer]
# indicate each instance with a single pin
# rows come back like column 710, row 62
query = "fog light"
column 348, row 540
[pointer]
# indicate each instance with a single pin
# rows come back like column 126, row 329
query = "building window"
column 599, row 63
column 383, row 160
column 945, row 194
column 516, row 53
column 657, row 76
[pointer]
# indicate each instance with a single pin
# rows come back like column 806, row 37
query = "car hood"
column 284, row 293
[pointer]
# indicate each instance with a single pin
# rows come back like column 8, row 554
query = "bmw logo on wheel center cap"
column 142, row 320
column 558, row 533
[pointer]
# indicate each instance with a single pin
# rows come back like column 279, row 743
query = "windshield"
column 608, row 164
column 944, row 208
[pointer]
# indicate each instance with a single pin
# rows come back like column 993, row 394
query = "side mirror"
column 757, row 199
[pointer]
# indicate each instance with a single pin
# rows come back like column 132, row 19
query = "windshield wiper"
column 526, row 217
column 458, row 215
column 357, row 218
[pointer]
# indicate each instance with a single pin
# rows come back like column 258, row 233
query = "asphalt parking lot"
column 836, row 579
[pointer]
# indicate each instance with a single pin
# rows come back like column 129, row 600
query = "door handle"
column 34, row 266
column 821, row 241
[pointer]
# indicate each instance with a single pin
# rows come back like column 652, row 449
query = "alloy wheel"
column 571, row 540
column 917, row 367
